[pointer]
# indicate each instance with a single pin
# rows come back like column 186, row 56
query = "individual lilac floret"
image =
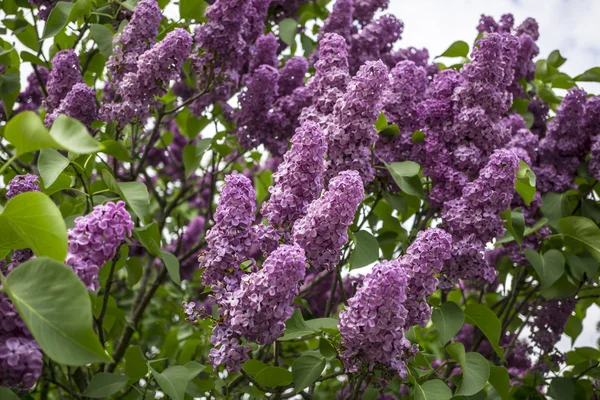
column 21, row 184
column 291, row 75
column 264, row 52
column 299, row 178
column 374, row 41
column 20, row 362
column 324, row 229
column 32, row 97
column 95, row 240
column 134, row 40
column 230, row 240
column 339, row 20
column 364, row 10
column 155, row 68
column 374, row 322
column 424, row 259
column 258, row 309
column 255, row 103
column 65, row 73
column 80, row 103
column 350, row 132
column 549, row 323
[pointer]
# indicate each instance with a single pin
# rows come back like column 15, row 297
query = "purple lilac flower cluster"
column 231, row 239
column 155, row 68
column 549, row 323
column 390, row 300
column 299, row 178
column 319, row 289
column 44, row 7
column 374, row 40
column 527, row 33
column 136, row 38
column 473, row 219
column 350, row 131
column 79, row 103
column 462, row 116
column 21, row 184
column 189, row 238
column 31, row 98
column 95, row 240
column 324, row 229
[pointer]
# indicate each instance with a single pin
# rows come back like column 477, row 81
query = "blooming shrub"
column 274, row 199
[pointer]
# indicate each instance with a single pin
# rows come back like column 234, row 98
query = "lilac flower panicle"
column 21, row 184
column 590, row 125
column 373, row 324
column 340, row 20
column 291, row 76
column 134, row 40
column 364, row 10
column 79, row 103
column 20, row 361
column 324, row 229
column 231, row 239
column 227, row 349
column 189, row 238
column 65, row 73
column 350, row 132
column 284, row 118
column 299, row 178
column 374, row 41
column 264, row 52
column 95, row 240
column 255, row 20
column 32, row 97
column 549, row 323
column 319, row 291
column 44, row 7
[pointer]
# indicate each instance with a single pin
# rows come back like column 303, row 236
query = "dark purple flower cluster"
column 79, row 103
column 319, row 290
column 324, row 229
column 231, row 239
column 474, row 220
column 21, row 184
column 135, row 39
column 340, row 21
column 95, row 240
column 155, row 68
column 264, row 52
column 350, row 131
column 549, row 323
column 565, row 144
column 20, row 361
column 31, row 98
column 299, row 178
column 64, row 75
column 44, row 7
column 374, row 40
column 591, row 126
column 462, row 116
column 189, row 238
column 364, row 10
column 527, row 33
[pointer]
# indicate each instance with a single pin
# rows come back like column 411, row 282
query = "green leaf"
column 405, row 175
column 562, row 388
column 172, row 265
column 104, row 384
column 192, row 9
column 115, row 149
column 31, row 58
column 7, row 394
column 194, row 368
column 549, row 268
column 573, row 328
column 486, row 320
column 322, row 324
column 366, row 250
column 27, row 133
column 192, row 155
column 556, row 59
column 500, row 380
column 418, row 136
column 456, row 49
column 135, row 194
column 525, row 183
column 149, row 236
column 434, row 389
column 72, row 135
column 296, row 327
column 104, row 38
column 326, row 348
column 476, row 372
column 306, row 370
column 253, row 367
column 381, row 122
column 44, row 291
column 135, row 363
column 172, row 381
column 274, row 376
column 583, row 230
column 591, row 75
column 457, row 351
column 32, row 220
column 515, row 224
column 58, row 19
column 51, row 164
column 448, row 319
column 582, row 267
column 288, row 28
